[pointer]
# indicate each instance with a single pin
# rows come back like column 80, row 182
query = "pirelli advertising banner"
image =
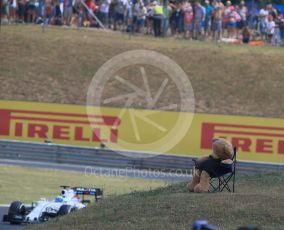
column 179, row 133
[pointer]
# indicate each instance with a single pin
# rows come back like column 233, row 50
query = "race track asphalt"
column 129, row 172
column 7, row 226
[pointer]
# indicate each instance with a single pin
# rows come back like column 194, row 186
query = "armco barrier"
column 104, row 157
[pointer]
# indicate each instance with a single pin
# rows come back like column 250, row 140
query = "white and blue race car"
column 69, row 200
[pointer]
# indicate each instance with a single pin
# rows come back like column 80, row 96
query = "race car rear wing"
column 97, row 192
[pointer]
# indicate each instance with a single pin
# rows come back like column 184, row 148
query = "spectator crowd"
column 215, row 20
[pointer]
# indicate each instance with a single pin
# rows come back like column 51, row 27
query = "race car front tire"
column 64, row 210
column 16, row 213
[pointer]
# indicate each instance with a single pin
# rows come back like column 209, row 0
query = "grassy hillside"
column 29, row 184
column 257, row 202
column 58, row 65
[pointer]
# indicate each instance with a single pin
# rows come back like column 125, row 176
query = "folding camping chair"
column 219, row 182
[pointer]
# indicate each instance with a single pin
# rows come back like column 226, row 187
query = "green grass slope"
column 257, row 202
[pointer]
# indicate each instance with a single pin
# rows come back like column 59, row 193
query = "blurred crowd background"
column 251, row 22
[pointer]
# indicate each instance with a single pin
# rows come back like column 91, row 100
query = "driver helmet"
column 59, row 199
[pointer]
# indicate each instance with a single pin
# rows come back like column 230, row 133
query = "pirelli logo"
column 58, row 126
column 247, row 138
column 257, row 139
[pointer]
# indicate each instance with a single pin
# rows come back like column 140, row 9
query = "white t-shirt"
column 14, row 4
column 104, row 7
column 142, row 11
column 264, row 13
column 243, row 13
column 136, row 9
column 270, row 27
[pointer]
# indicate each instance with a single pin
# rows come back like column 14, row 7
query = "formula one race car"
column 69, row 200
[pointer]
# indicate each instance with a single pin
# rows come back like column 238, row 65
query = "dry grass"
column 28, row 184
column 58, row 65
column 258, row 202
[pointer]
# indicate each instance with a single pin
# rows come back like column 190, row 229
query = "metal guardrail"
column 55, row 153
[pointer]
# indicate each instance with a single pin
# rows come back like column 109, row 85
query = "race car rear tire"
column 64, row 210
column 16, row 209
